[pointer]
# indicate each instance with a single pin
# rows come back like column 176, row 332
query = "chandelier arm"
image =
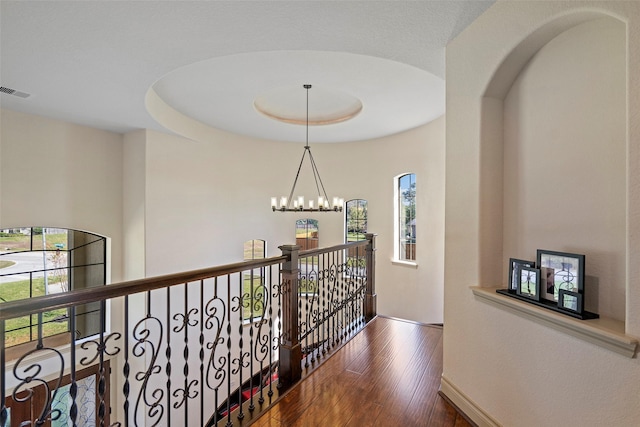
column 316, row 175
column 295, row 181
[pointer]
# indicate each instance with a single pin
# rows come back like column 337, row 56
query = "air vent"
column 14, row 92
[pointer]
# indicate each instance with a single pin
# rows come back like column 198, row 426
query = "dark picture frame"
column 560, row 270
column 570, row 301
column 529, row 282
column 514, row 272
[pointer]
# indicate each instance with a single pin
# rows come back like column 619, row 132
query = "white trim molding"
column 604, row 332
column 466, row 405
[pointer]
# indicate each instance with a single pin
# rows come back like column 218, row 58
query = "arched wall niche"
column 509, row 69
column 506, row 233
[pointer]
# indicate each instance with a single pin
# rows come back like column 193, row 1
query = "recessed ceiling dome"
column 357, row 97
column 326, row 105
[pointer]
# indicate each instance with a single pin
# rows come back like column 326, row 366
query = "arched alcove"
column 489, row 338
column 553, row 154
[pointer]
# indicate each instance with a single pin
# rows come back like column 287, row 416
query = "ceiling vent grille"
column 14, row 92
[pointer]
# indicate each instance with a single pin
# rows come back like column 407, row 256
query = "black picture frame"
column 514, row 272
column 570, row 301
column 560, row 270
column 529, row 283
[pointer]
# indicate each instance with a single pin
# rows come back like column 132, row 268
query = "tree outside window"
column 407, row 217
column 253, row 288
column 356, row 230
column 356, row 220
column 36, row 261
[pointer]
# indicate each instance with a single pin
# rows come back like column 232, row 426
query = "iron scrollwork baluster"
column 215, row 321
column 276, row 339
column 261, row 349
column 215, row 310
column 240, row 362
column 184, row 321
column 167, row 353
column 261, row 343
column 185, row 393
column 101, row 348
column 30, row 374
column 141, row 334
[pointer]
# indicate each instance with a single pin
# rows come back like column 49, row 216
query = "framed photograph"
column 560, row 270
column 529, row 282
column 571, row 301
column 514, row 272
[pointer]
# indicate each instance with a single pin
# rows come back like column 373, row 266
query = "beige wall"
column 58, row 174
column 133, row 204
column 204, row 199
column 403, row 291
column 565, row 157
column 172, row 204
column 524, row 80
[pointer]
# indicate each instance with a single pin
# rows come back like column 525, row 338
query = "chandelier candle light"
column 297, row 204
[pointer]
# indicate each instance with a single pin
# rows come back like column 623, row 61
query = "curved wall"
column 209, row 197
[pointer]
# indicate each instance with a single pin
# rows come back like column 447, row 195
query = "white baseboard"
column 466, row 405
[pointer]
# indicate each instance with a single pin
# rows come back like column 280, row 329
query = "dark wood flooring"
column 387, row 375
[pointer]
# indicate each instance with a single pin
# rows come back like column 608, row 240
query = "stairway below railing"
column 203, row 347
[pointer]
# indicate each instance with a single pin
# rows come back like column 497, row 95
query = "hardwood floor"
column 388, row 375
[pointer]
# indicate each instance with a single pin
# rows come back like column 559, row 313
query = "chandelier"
column 297, row 204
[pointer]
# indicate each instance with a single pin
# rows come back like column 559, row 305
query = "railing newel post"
column 370, row 303
column 290, row 370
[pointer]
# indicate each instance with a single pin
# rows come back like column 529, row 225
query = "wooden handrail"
column 211, row 325
column 9, row 310
column 320, row 251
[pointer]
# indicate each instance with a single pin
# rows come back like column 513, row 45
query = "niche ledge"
column 604, row 332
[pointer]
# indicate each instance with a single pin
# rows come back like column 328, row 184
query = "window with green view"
column 356, row 230
column 406, row 219
column 253, row 289
column 37, row 261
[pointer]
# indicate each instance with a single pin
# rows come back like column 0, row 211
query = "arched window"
column 307, row 233
column 355, row 220
column 406, row 217
column 254, row 249
column 253, row 290
column 38, row 261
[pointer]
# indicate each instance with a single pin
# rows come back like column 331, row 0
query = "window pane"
column 356, row 220
column 15, row 239
column 355, row 229
column 48, row 238
column 253, row 289
column 254, row 249
column 40, row 261
column 407, row 217
column 307, row 233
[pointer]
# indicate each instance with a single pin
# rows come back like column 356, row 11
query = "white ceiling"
column 93, row 62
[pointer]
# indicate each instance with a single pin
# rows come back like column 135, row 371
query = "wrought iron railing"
column 212, row 347
column 332, row 292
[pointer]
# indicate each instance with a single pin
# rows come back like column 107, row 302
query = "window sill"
column 604, row 332
column 411, row 264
